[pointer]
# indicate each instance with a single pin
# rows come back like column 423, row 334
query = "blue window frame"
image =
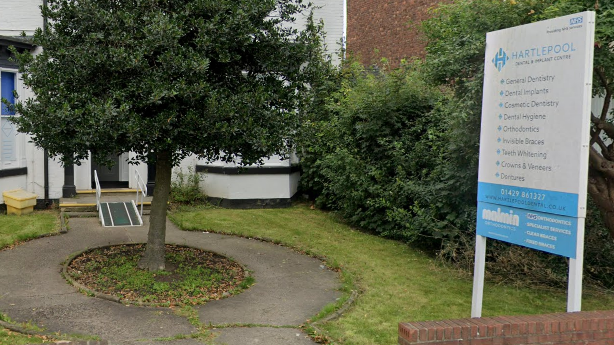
column 8, row 131
column 7, row 86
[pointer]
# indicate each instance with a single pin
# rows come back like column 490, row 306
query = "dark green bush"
column 365, row 157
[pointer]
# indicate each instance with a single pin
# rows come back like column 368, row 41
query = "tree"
column 222, row 79
column 456, row 36
column 601, row 155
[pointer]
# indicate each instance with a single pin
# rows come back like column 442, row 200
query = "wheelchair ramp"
column 113, row 214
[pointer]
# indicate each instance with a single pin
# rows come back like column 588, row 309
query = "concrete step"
column 107, row 192
column 85, row 212
column 79, row 214
column 91, row 207
column 87, row 198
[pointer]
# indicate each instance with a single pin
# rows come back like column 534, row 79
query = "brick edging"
column 569, row 328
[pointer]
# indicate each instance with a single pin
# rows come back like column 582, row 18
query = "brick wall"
column 391, row 26
column 588, row 328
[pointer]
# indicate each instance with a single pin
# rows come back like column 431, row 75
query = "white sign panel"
column 534, row 143
column 535, row 115
column 535, row 130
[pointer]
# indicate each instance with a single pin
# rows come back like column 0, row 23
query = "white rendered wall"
column 251, row 186
column 36, row 174
column 237, row 187
column 10, row 183
column 141, row 168
column 56, row 178
column 36, row 177
column 83, row 175
column 332, row 12
column 186, row 166
column 17, row 16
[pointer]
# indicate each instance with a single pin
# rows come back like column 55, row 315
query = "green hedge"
column 367, row 156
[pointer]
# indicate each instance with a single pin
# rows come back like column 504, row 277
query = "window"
column 8, row 132
column 7, row 86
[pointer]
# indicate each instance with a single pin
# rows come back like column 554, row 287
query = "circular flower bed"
column 192, row 276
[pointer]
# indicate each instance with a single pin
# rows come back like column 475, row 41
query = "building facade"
column 22, row 165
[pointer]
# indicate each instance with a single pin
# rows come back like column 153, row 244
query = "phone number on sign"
column 523, row 194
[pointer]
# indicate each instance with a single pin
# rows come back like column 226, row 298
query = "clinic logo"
column 501, row 217
column 500, row 59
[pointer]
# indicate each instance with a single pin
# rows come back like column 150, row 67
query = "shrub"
column 363, row 159
column 185, row 188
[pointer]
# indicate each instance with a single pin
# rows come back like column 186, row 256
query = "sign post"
column 534, row 142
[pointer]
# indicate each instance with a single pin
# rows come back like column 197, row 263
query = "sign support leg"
column 574, row 289
column 478, row 276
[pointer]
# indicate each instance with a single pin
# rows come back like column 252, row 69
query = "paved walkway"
column 289, row 289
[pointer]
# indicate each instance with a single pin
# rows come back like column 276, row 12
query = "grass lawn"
column 15, row 229
column 396, row 282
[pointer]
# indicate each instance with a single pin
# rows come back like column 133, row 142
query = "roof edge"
column 18, row 42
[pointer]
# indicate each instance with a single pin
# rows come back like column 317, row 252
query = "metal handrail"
column 98, row 194
column 141, row 188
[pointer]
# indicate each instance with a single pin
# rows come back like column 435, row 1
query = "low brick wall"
column 588, row 328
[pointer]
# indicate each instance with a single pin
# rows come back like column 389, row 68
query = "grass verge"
column 396, row 282
column 8, row 337
column 14, row 229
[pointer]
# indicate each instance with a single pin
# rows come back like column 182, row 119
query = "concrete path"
column 290, row 288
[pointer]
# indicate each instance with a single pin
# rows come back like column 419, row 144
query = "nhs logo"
column 576, row 21
column 500, row 59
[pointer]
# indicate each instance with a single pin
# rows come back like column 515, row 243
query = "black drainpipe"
column 46, row 153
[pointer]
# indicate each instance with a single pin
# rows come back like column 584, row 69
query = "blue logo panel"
column 500, row 59
column 564, row 204
column 550, row 233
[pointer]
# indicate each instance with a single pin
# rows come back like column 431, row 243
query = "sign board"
column 534, row 141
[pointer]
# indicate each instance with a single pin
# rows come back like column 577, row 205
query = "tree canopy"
column 164, row 79
column 154, row 75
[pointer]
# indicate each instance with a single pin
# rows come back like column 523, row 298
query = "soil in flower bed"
column 192, row 276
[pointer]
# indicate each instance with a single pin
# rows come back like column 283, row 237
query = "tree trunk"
column 601, row 190
column 601, row 156
column 153, row 258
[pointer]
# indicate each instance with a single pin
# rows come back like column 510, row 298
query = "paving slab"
column 262, row 336
column 290, row 288
column 165, row 342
